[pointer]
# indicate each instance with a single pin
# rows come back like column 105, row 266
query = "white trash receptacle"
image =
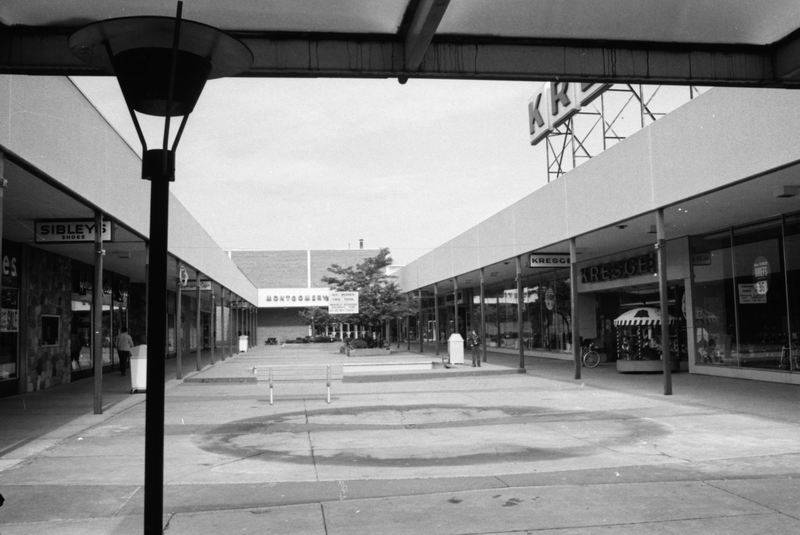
column 455, row 347
column 138, row 368
column 243, row 341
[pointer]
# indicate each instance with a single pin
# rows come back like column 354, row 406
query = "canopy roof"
column 709, row 42
column 641, row 316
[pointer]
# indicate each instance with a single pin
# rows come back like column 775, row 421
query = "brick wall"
column 281, row 323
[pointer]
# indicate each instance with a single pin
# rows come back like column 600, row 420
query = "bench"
column 296, row 374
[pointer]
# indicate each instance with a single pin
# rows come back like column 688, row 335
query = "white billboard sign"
column 343, row 303
column 69, row 231
column 555, row 102
column 292, row 297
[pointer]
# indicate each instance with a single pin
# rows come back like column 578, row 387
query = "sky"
column 272, row 164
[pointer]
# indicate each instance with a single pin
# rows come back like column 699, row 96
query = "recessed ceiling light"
column 784, row 192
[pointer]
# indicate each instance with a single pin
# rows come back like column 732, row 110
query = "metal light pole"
column 162, row 65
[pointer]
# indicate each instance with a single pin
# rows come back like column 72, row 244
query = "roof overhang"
column 665, row 42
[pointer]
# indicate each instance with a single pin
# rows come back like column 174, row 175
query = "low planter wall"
column 368, row 352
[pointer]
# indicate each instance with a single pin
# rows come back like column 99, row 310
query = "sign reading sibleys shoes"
column 69, row 230
column 555, row 102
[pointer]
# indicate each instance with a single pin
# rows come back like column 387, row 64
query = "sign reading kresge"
column 544, row 260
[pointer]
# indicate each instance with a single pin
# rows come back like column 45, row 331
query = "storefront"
column 546, row 313
column 9, row 318
column 114, row 316
column 745, row 296
column 620, row 300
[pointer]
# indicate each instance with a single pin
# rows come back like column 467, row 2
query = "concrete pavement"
column 449, row 453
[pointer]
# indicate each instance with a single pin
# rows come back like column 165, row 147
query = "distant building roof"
column 290, row 269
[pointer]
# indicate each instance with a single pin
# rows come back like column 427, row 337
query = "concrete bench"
column 297, row 374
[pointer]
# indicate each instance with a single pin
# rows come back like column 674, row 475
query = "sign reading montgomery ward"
column 555, row 102
column 541, row 260
column 293, row 297
column 620, row 269
column 69, row 231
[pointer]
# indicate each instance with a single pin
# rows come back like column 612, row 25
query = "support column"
column 661, row 250
column 198, row 326
column 408, row 333
column 223, row 334
column 573, row 289
column 455, row 304
column 97, row 313
column 255, row 325
column 420, row 333
column 234, row 325
column 436, row 333
column 156, row 343
column 497, row 318
column 212, row 327
column 483, row 315
column 520, row 304
column 3, row 184
column 178, row 325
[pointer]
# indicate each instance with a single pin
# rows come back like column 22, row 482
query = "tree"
column 379, row 297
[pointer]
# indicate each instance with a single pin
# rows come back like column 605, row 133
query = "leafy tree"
column 379, row 297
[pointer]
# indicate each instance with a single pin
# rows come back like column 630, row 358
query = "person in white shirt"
column 124, row 343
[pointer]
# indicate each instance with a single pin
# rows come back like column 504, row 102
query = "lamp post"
column 162, row 65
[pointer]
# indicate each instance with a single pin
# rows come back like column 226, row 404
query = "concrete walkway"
column 446, row 452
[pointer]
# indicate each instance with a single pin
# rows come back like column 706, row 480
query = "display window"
column 9, row 311
column 546, row 314
column 114, row 315
column 745, row 284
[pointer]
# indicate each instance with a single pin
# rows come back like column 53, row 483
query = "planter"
column 368, row 352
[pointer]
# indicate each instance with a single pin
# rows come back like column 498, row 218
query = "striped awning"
column 640, row 316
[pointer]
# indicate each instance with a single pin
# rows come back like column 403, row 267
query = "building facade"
column 290, row 281
column 63, row 167
column 722, row 171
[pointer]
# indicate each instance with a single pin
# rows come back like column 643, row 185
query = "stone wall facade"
column 47, row 292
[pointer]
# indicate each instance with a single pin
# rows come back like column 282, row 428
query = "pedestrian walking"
column 124, row 343
column 474, row 343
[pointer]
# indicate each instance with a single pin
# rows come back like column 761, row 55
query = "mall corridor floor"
column 445, row 452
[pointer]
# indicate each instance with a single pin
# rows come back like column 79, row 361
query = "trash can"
column 243, row 341
column 455, row 347
column 138, row 365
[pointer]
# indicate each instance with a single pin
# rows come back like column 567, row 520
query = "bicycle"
column 590, row 358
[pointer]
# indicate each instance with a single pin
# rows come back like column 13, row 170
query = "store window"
column 760, row 295
column 9, row 311
column 547, row 312
column 713, row 299
column 740, row 296
column 546, row 317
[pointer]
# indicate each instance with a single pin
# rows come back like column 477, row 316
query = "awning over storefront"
column 642, row 316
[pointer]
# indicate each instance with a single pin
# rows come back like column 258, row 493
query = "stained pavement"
column 451, row 453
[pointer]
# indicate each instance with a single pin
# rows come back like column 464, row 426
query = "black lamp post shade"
column 144, row 76
column 138, row 50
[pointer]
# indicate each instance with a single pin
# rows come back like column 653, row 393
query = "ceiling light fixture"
column 785, row 192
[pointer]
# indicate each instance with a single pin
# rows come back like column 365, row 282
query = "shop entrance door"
column 640, row 339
